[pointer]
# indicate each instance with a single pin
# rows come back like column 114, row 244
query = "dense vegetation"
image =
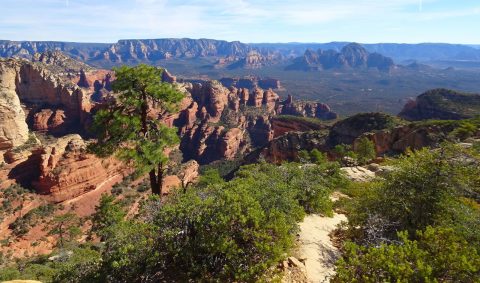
column 216, row 231
column 421, row 223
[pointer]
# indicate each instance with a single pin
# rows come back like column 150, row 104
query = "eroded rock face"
column 287, row 147
column 48, row 120
column 231, row 142
column 13, row 128
column 401, row 138
column 306, row 109
column 43, row 92
column 66, row 170
column 213, row 96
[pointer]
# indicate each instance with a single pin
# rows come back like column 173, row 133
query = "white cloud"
column 246, row 20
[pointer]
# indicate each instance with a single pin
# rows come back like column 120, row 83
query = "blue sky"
column 366, row 21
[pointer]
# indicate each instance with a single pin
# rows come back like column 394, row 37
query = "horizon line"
column 249, row 43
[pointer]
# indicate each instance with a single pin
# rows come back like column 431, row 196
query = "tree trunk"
column 156, row 190
column 160, row 177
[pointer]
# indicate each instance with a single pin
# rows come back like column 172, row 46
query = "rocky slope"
column 224, row 123
column 129, row 50
column 352, row 56
column 442, row 104
column 56, row 95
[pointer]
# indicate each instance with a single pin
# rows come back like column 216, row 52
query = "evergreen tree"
column 130, row 127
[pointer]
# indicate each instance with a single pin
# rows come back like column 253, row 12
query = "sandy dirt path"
column 317, row 247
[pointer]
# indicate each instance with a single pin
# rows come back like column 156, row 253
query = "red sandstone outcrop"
column 48, row 120
column 256, row 98
column 67, row 171
column 213, row 96
column 188, row 174
column 230, row 143
column 40, row 89
column 306, row 109
column 270, row 99
column 287, row 147
column 83, row 81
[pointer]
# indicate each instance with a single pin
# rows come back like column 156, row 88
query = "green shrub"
column 218, row 231
column 424, row 189
column 465, row 130
column 365, row 150
column 437, row 255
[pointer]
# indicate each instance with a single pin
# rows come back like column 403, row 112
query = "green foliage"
column 107, row 214
column 344, row 150
column 476, row 146
column 210, row 177
column 66, row 227
column 126, row 126
column 313, row 123
column 31, row 270
column 224, row 167
column 465, row 130
column 314, row 156
column 365, row 150
column 130, row 253
column 81, row 266
column 226, row 235
column 424, row 189
column 218, row 231
column 437, row 255
column 235, row 230
column 433, row 196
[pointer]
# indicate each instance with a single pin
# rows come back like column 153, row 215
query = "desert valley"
column 203, row 160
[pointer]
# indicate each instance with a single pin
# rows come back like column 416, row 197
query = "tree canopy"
column 130, row 125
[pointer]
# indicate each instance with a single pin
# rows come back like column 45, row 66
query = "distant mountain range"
column 352, row 55
column 151, row 50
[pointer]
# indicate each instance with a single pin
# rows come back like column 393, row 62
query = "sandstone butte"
column 56, row 95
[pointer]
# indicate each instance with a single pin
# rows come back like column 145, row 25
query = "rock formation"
column 352, row 56
column 285, row 124
column 67, row 171
column 287, row 147
column 253, row 60
column 306, row 109
column 13, row 128
column 442, row 104
column 347, row 130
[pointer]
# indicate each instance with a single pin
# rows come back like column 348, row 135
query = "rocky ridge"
column 352, row 56
column 442, row 104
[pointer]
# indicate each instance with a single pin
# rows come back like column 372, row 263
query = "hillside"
column 153, row 49
column 353, row 56
column 443, row 104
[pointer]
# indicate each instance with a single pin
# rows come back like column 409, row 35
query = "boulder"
column 358, row 174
